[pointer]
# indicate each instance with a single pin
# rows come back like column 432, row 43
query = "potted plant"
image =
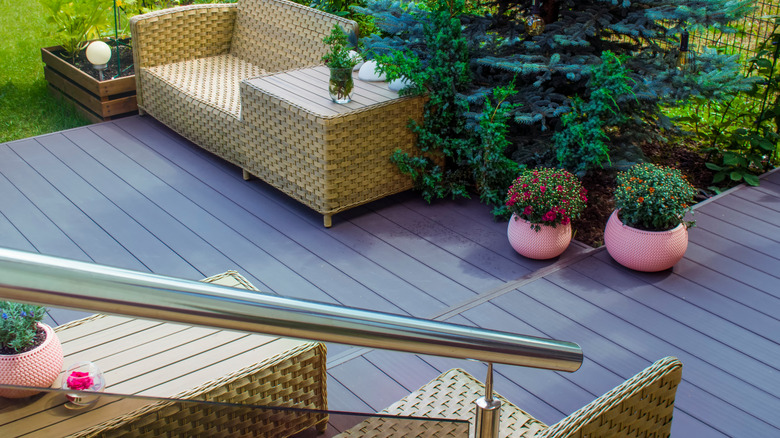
column 647, row 231
column 30, row 352
column 341, row 62
column 69, row 73
column 543, row 202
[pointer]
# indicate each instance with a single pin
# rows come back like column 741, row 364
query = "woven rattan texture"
column 189, row 61
column 211, row 81
column 282, row 35
column 211, row 128
column 330, row 163
column 640, row 407
column 451, row 395
column 289, row 380
column 173, row 35
column 292, row 379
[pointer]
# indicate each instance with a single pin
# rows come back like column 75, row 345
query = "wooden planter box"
column 98, row 100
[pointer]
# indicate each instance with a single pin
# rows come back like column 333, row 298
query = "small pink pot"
column 38, row 367
column 647, row 251
column 545, row 244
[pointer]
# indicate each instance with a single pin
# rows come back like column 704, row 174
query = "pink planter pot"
column 545, row 244
column 647, row 251
column 39, row 367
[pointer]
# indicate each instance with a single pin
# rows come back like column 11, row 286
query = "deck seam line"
column 515, row 284
column 355, row 352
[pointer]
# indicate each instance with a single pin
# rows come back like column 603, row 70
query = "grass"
column 26, row 107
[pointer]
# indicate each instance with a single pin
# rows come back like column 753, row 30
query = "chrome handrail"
column 52, row 281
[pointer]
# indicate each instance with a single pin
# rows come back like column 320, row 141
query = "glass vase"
column 83, row 376
column 341, row 84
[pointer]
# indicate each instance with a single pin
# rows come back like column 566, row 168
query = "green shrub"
column 18, row 325
column 76, row 22
column 583, row 143
column 741, row 135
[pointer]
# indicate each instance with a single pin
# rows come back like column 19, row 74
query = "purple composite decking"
column 133, row 194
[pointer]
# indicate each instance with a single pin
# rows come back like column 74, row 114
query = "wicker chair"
column 190, row 60
column 641, row 406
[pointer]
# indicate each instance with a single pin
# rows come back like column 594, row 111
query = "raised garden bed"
column 97, row 100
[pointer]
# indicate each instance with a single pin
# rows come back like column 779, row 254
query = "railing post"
column 486, row 424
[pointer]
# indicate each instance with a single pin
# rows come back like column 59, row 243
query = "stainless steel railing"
column 51, row 281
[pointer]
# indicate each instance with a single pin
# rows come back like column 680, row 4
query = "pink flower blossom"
column 559, row 188
column 542, row 189
column 549, row 216
column 565, row 220
column 528, row 210
column 79, row 380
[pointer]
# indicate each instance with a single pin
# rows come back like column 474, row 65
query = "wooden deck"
column 133, row 194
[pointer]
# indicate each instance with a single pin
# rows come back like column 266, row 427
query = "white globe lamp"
column 98, row 54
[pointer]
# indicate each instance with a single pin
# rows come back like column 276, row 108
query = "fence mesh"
column 754, row 30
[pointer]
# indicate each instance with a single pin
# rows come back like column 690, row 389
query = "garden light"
column 686, row 58
column 98, row 54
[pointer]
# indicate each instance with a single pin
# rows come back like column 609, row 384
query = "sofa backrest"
column 281, row 35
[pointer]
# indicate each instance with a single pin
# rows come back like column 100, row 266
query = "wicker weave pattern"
column 211, row 81
column 186, row 32
column 294, row 378
column 282, row 35
column 640, row 407
column 213, row 129
column 272, row 382
column 189, row 61
column 160, row 37
column 330, row 163
column 451, row 395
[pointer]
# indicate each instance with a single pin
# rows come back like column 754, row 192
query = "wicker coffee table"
column 151, row 358
column 328, row 156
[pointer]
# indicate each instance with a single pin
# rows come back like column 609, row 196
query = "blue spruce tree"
column 588, row 76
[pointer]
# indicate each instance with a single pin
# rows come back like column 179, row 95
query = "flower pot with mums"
column 30, row 352
column 647, row 231
column 543, row 202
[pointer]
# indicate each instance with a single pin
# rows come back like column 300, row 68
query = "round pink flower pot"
column 545, row 244
column 38, row 367
column 647, row 251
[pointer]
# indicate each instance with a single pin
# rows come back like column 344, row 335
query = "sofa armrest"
column 280, row 35
column 180, row 33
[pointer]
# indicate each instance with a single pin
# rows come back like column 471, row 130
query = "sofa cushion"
column 213, row 80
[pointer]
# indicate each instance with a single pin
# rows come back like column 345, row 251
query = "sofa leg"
column 326, row 220
column 245, row 175
column 322, row 426
column 141, row 112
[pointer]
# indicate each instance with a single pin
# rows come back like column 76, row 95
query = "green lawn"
column 26, row 107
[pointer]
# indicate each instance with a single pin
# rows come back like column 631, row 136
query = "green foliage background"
column 26, row 107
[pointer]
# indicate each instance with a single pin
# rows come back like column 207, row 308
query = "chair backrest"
column 280, row 35
column 641, row 406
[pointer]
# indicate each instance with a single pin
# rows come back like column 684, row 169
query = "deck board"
column 132, row 193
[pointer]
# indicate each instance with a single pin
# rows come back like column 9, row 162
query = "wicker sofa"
column 640, row 406
column 190, row 61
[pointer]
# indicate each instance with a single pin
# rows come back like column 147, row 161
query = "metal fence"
column 756, row 28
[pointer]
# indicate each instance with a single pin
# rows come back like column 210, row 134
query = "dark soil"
column 600, row 184
column 112, row 69
column 40, row 336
